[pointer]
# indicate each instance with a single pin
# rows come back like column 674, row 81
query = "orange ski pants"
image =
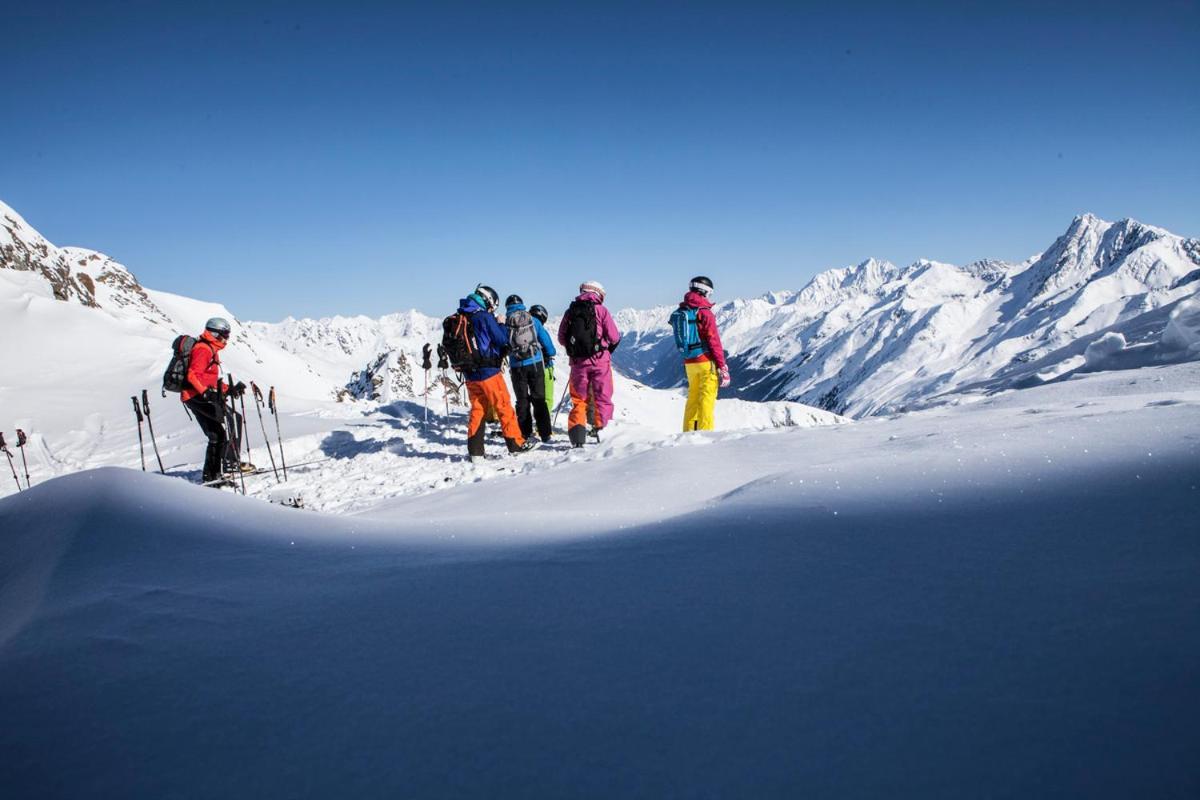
column 491, row 396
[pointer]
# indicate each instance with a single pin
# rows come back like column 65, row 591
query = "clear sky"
column 313, row 159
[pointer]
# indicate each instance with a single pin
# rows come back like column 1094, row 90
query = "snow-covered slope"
column 993, row 599
column 877, row 337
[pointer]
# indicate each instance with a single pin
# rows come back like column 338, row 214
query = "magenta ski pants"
column 597, row 380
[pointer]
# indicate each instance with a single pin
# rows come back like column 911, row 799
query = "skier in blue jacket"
column 530, row 348
column 485, row 384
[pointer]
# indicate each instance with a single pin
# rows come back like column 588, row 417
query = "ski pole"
column 426, row 365
column 231, row 423
column 258, row 404
column 21, row 447
column 562, row 401
column 278, row 435
column 11, row 465
column 242, row 426
column 150, row 423
column 137, row 412
column 443, row 365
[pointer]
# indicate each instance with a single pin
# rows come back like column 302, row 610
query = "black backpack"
column 459, row 342
column 582, row 339
column 175, row 378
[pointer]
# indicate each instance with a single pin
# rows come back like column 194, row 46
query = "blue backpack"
column 687, row 332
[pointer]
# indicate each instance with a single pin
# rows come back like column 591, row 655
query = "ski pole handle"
column 3, row 446
column 145, row 403
column 258, row 398
column 271, row 400
column 20, row 438
column 137, row 410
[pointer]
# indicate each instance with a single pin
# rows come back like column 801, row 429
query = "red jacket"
column 706, row 323
column 204, row 369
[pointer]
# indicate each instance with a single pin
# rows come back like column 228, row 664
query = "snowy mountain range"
column 868, row 339
column 876, row 338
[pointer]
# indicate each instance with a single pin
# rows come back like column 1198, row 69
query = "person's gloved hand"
column 212, row 396
column 725, row 379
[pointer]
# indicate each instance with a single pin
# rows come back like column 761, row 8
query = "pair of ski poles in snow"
column 11, row 464
column 258, row 404
column 143, row 412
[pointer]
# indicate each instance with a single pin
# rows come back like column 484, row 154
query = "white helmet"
column 592, row 286
column 702, row 285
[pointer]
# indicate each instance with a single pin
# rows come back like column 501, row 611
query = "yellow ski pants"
column 702, row 396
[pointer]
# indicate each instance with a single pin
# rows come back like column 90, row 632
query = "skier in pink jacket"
column 590, row 336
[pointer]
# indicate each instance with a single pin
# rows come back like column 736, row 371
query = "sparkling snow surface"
column 998, row 598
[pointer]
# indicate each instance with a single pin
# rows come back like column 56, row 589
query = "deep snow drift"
column 994, row 599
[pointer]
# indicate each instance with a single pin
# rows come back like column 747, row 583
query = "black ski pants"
column 214, row 416
column 529, row 385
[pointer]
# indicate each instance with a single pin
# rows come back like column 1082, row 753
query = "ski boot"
column 578, row 435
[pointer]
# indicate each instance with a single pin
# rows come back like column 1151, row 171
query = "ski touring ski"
column 263, row 471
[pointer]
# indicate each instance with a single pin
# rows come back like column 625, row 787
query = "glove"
column 725, row 379
column 238, row 390
column 212, row 396
column 612, row 348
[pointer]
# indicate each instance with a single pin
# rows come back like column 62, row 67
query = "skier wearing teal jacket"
column 530, row 349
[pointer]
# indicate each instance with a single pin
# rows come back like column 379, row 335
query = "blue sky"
column 307, row 159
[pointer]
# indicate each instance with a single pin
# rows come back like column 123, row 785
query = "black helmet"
column 514, row 300
column 702, row 285
column 539, row 313
column 218, row 326
column 488, row 295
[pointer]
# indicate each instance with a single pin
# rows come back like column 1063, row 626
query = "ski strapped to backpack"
column 522, row 337
column 686, row 328
column 175, row 378
column 583, row 339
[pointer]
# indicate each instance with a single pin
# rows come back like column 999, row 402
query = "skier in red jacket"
column 205, row 396
column 707, row 368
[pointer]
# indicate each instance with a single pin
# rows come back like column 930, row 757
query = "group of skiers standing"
column 477, row 344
